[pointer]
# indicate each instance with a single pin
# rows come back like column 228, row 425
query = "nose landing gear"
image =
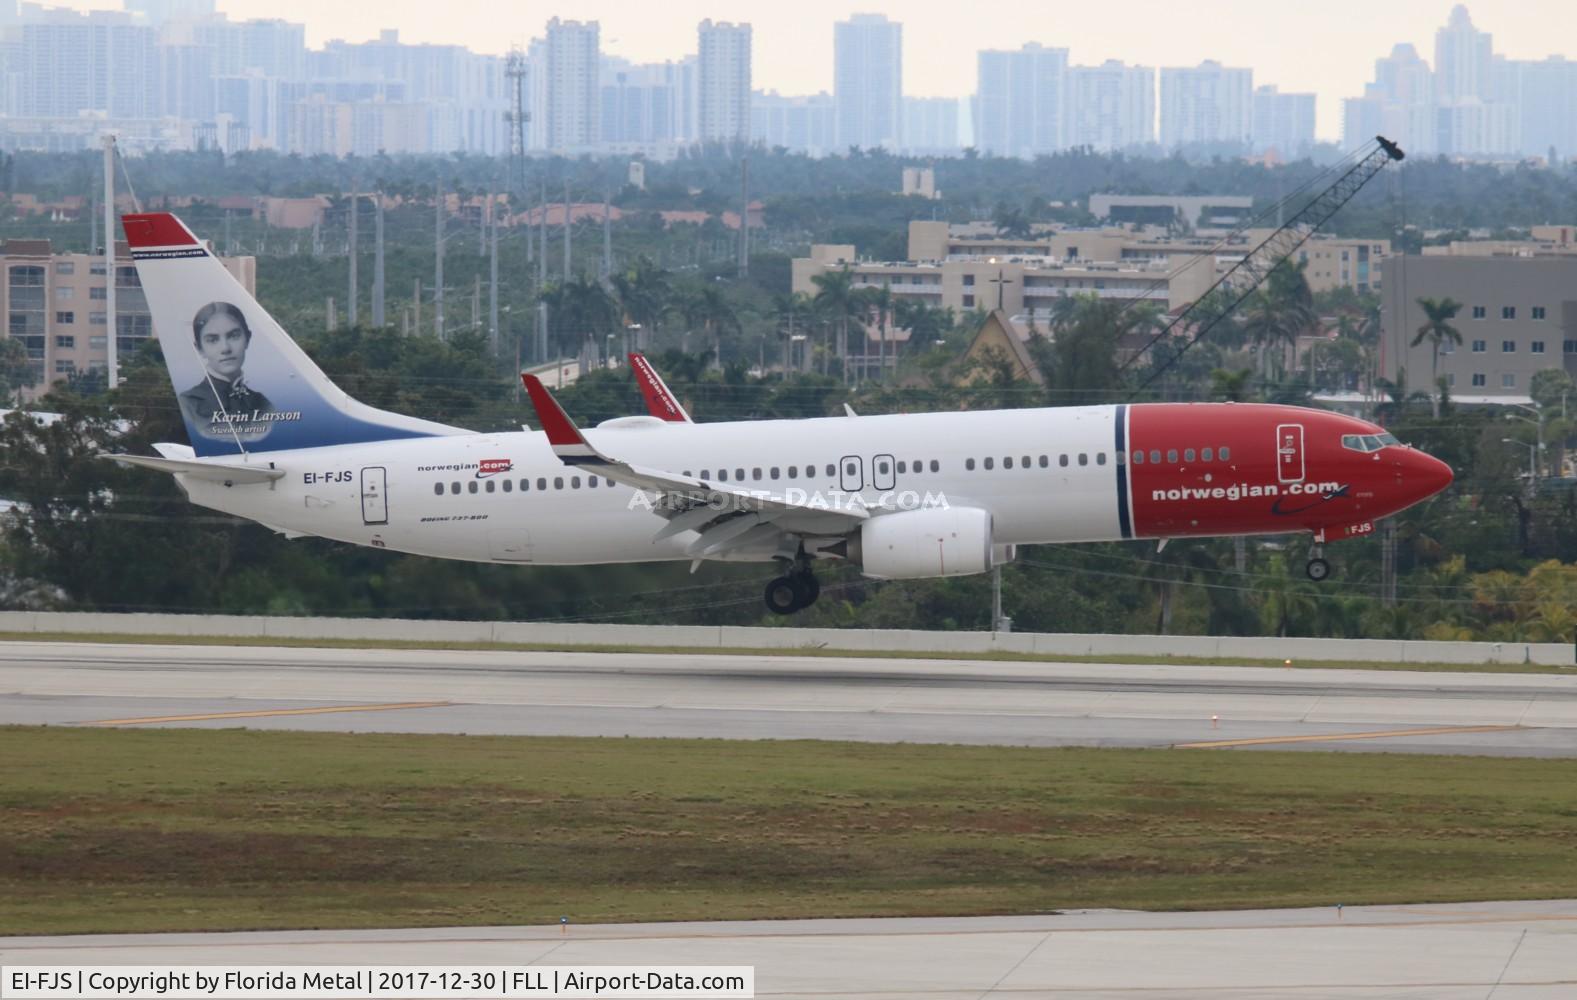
column 1318, row 569
column 794, row 592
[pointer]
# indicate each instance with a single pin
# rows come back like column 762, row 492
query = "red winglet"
column 561, row 430
column 156, row 229
column 660, row 402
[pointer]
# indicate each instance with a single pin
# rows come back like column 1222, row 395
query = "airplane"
column 899, row 496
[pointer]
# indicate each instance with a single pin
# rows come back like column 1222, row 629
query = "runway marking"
column 1332, row 737
column 268, row 713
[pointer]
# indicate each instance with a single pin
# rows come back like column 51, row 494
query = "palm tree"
column 1437, row 329
column 880, row 298
column 646, row 294
column 1231, row 386
column 838, row 300
column 708, row 309
column 1398, row 398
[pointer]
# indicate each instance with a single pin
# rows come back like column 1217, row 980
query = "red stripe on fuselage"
column 1285, row 470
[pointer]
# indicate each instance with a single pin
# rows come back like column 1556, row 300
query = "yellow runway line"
column 269, row 713
column 1333, row 737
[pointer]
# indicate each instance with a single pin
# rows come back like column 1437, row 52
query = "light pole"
column 1537, row 420
column 1533, row 472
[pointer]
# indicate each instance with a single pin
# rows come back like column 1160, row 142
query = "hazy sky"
column 1327, row 46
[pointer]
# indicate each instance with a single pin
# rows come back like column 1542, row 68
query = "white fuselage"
column 446, row 496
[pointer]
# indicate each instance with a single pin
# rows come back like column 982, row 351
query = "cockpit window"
column 1368, row 442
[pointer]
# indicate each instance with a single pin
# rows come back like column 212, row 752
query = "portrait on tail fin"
column 222, row 404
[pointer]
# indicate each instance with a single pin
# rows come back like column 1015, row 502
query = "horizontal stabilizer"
column 214, row 472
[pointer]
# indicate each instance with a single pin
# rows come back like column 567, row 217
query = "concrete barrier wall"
column 729, row 636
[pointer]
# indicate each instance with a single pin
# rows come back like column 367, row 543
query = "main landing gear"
column 794, row 592
column 1318, row 569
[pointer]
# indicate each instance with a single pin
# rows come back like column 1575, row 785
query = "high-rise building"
column 1208, row 104
column 868, row 81
column 724, row 82
column 157, row 12
column 1023, row 101
column 102, row 61
column 1283, row 122
column 573, row 100
column 639, row 103
column 930, row 125
column 1463, row 57
column 1399, row 105
column 800, row 124
column 1548, row 106
column 1111, row 106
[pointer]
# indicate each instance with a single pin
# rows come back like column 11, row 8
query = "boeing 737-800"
column 272, row 439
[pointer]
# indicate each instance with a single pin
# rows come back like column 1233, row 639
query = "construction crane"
column 1241, row 279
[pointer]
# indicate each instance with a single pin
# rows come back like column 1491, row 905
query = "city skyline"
column 1328, row 49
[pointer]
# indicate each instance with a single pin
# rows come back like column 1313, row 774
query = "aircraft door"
column 882, row 475
column 1289, row 453
column 851, row 474
column 374, row 487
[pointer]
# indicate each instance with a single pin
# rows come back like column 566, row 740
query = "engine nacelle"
column 935, row 541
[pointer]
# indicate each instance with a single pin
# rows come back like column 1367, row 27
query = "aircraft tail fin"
column 243, row 385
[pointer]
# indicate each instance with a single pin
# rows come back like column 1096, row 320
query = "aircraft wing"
column 726, row 517
column 660, row 400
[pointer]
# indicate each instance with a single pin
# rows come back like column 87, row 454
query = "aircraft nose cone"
column 1429, row 474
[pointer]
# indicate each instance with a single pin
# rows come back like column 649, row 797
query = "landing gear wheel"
column 1318, row 569
column 809, row 587
column 782, row 596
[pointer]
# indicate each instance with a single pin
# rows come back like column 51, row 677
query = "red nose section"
column 1427, row 475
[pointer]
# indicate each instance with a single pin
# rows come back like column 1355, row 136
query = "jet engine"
column 934, row 541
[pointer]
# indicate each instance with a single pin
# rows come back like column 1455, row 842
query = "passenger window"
column 591, row 481
column 722, row 475
column 1026, row 461
column 832, row 470
column 1084, row 459
column 705, row 474
column 1155, row 456
column 438, row 489
column 509, row 486
column 542, row 483
column 1138, row 458
column 755, row 473
column 903, row 467
column 574, row 482
column 471, row 486
column 936, row 466
column 1205, row 454
column 793, row 472
column 969, row 464
column 558, row 482
column 609, row 483
column 919, row 466
column 988, row 463
column 1171, row 456
column 1044, row 462
column 1100, row 458
column 850, row 469
column 491, row 486
column 1062, row 460
column 1122, row 457
column 1007, row 463
column 881, row 467
column 454, row 487
column 739, row 475
column 774, row 472
column 1188, row 454
column 1225, row 453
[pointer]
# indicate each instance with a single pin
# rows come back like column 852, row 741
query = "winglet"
column 660, row 401
column 567, row 441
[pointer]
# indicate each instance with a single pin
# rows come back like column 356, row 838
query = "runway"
column 788, row 697
column 1504, row 951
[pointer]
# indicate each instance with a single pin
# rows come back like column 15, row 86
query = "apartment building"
column 1028, row 286
column 54, row 304
column 1518, row 317
column 1329, row 262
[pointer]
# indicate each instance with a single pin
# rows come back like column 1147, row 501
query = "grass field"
column 122, row 830
column 1006, row 656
